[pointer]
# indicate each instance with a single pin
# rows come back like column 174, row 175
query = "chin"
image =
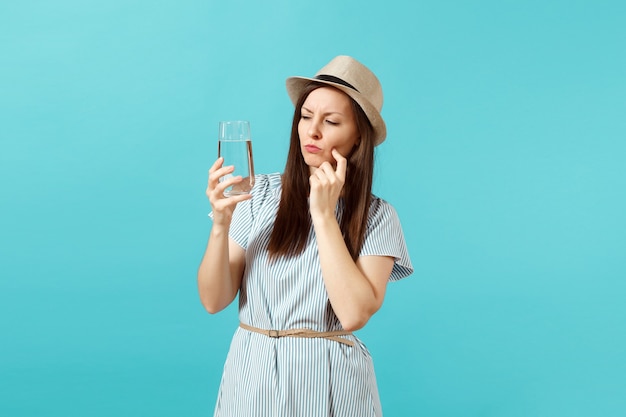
column 313, row 161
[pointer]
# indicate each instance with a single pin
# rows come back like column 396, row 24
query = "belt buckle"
column 273, row 333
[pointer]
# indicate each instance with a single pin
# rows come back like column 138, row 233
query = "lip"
column 312, row 148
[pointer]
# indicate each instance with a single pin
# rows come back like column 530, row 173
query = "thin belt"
column 308, row 333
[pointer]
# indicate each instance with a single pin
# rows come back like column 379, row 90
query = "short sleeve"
column 384, row 237
column 247, row 211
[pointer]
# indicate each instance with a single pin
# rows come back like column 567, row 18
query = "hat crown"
column 357, row 76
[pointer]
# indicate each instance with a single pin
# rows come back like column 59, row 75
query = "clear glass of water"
column 235, row 146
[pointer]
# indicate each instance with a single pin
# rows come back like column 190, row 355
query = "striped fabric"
column 289, row 377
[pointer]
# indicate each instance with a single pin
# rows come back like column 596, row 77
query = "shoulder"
column 265, row 193
column 266, row 182
column 266, row 185
column 384, row 237
column 381, row 210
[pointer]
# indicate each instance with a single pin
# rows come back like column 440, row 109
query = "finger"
column 239, row 198
column 219, row 173
column 217, row 164
column 229, row 203
column 224, row 171
column 314, row 180
column 327, row 171
column 223, row 185
column 230, row 200
column 215, row 189
column 323, row 174
column 325, row 168
column 341, row 164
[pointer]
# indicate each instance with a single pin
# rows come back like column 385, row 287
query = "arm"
column 222, row 266
column 355, row 289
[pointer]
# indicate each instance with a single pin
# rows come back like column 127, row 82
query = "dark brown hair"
column 293, row 220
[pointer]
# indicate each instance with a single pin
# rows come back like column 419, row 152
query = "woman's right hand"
column 222, row 206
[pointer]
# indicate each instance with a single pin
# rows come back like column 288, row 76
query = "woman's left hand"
column 326, row 185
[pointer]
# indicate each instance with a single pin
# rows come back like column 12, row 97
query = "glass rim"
column 234, row 121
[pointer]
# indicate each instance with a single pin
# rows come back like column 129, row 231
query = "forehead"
column 327, row 98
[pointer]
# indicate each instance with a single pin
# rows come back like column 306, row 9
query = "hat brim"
column 295, row 86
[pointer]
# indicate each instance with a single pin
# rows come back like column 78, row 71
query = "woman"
column 310, row 254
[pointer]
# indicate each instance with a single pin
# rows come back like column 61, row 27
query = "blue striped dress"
column 290, row 376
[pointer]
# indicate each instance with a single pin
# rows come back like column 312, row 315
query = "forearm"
column 353, row 297
column 218, row 281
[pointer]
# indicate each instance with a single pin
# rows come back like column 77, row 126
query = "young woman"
column 310, row 253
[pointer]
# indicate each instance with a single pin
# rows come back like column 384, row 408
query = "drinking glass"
column 235, row 146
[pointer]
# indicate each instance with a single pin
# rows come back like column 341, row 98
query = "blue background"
column 504, row 158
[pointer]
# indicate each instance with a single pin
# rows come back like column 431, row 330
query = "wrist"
column 218, row 231
column 323, row 219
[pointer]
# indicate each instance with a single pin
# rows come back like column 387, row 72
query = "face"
column 327, row 122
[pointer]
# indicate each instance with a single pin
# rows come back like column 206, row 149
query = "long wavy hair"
column 293, row 220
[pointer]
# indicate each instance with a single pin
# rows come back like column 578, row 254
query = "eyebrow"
column 325, row 114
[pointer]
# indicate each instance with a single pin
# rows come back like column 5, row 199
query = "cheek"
column 349, row 143
column 301, row 129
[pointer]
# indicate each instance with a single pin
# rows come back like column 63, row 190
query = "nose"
column 313, row 131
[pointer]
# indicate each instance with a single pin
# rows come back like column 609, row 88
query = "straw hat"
column 356, row 80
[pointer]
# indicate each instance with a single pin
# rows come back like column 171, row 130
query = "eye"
column 331, row 122
column 305, row 116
